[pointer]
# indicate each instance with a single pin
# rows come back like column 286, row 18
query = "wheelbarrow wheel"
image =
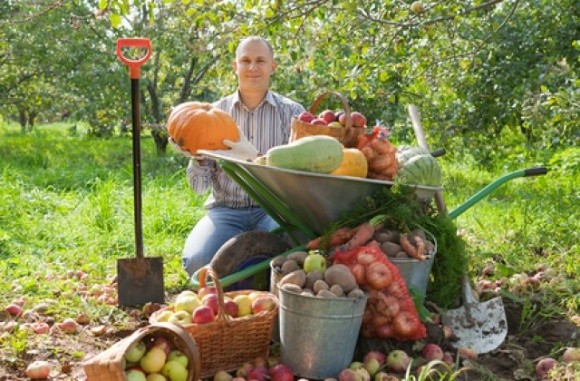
column 244, row 247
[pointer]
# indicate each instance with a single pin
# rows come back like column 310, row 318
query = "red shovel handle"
column 134, row 65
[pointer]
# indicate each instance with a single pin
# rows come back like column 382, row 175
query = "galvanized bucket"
column 274, row 279
column 318, row 336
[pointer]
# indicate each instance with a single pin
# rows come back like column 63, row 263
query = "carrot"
column 415, row 249
column 363, row 233
column 338, row 237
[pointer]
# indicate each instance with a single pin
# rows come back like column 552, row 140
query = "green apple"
column 135, row 375
column 153, row 360
column 244, row 303
column 179, row 356
column 164, row 315
column 156, row 377
column 186, row 301
column 180, row 318
column 315, row 262
column 335, row 124
column 175, row 371
column 135, row 351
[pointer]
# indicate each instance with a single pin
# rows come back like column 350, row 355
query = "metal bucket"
column 274, row 279
column 416, row 273
column 318, row 336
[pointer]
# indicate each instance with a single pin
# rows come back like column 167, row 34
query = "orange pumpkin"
column 200, row 125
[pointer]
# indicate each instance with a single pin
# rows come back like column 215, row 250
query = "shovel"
column 139, row 279
column 481, row 327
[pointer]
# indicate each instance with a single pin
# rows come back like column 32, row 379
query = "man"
column 264, row 118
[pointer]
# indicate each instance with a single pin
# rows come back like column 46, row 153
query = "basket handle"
column 203, row 274
column 342, row 100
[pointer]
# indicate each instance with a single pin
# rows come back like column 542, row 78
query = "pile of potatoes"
column 335, row 282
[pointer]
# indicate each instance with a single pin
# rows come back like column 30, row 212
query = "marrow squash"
column 354, row 163
column 318, row 153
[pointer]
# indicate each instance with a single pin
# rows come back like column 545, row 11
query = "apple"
column 38, row 370
column 259, row 373
column 398, row 360
column 383, row 376
column 186, row 301
column 244, row 304
column 156, row 377
column 244, row 370
column 212, row 301
column 417, row 7
column 263, row 303
column 571, row 354
column 335, row 124
column 174, row 370
column 203, row 314
column 281, row 372
column 372, row 365
column 179, row 356
column 163, row 343
column 68, row 325
column 135, row 375
column 40, row 327
column 328, row 116
column 355, row 365
column 135, row 351
column 363, row 374
column 358, row 119
column 380, row 356
column 432, row 351
column 222, row 375
column 206, row 290
column 13, row 309
column 348, row 375
column 180, row 318
column 342, row 119
column 448, row 358
column 153, row 360
column 231, row 308
column 315, row 262
column 544, row 365
column 164, row 315
column 318, row 121
column 306, row 117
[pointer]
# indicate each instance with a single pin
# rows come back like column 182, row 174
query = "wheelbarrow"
column 304, row 203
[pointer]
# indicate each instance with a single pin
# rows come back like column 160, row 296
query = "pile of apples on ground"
column 331, row 118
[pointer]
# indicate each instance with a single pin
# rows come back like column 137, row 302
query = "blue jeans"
column 218, row 226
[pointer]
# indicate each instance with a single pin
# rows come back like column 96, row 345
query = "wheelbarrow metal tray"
column 317, row 199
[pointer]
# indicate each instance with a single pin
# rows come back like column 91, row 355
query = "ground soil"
column 514, row 360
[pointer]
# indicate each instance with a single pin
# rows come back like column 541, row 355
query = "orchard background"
column 495, row 81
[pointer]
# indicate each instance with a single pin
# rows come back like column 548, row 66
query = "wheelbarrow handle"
column 134, row 64
column 537, row 171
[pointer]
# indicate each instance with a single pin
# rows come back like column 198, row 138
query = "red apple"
column 306, row 117
column 358, row 119
column 206, row 290
column 318, row 121
column 40, row 327
column 38, row 370
column 380, row 356
column 281, row 372
column 163, row 343
column 571, row 354
column 244, row 370
column 448, row 358
column 328, row 116
column 348, row 375
column 263, row 303
column 544, row 365
column 231, row 308
column 259, row 373
column 211, row 300
column 202, row 314
column 68, row 325
column 13, row 309
column 432, row 351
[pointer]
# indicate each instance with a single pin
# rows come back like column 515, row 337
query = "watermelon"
column 418, row 167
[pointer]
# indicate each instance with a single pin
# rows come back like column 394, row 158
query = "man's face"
column 254, row 65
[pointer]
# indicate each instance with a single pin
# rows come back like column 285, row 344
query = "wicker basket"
column 227, row 343
column 110, row 364
column 346, row 135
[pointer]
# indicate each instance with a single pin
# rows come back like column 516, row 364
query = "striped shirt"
column 265, row 127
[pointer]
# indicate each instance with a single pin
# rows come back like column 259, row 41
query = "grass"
column 67, row 205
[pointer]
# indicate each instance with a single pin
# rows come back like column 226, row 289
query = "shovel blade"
column 140, row 281
column 478, row 326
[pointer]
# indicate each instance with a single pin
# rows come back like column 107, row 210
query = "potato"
column 340, row 274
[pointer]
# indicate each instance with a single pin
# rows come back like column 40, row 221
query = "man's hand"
column 178, row 148
column 241, row 150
